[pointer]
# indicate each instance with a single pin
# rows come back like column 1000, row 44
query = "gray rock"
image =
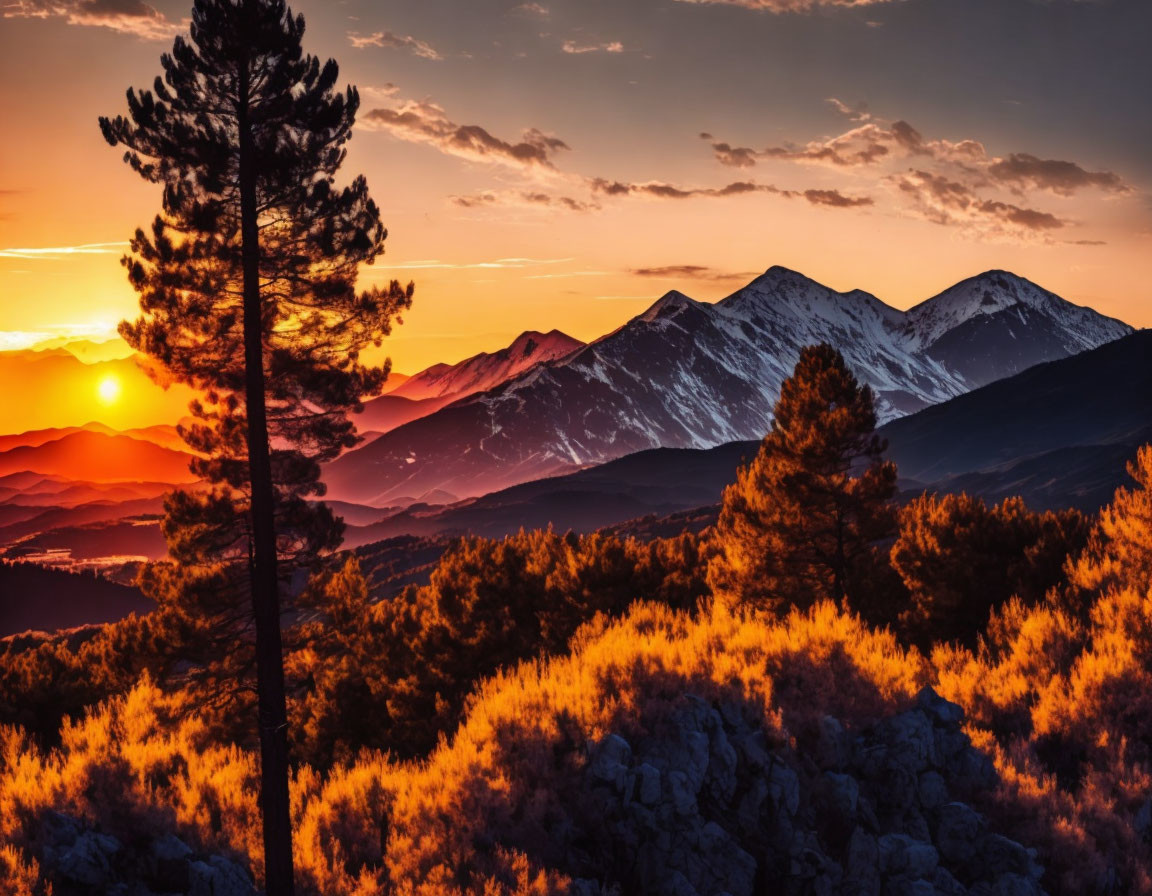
column 958, row 828
column 218, row 877
column 933, row 790
column 784, row 787
column 683, row 794
column 998, row 856
column 910, row 739
column 648, row 784
column 1008, row 885
column 901, row 855
column 946, row 884
column 905, row 886
column 862, row 861
column 843, row 794
column 610, row 760
column 833, row 747
column 170, row 848
column 88, row 860
column 941, row 711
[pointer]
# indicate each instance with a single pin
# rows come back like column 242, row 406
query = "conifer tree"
column 247, row 284
column 800, row 522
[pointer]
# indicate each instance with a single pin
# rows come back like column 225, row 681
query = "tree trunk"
column 273, row 716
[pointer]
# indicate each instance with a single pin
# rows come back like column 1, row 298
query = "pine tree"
column 801, row 520
column 247, row 284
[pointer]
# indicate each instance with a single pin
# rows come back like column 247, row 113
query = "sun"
column 108, row 390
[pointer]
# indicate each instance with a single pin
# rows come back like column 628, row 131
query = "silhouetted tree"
column 801, row 520
column 247, row 284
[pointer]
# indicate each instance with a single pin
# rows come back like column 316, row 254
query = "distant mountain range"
column 550, row 430
column 95, row 456
column 1050, row 434
column 686, row 374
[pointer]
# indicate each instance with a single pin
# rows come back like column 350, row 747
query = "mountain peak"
column 555, row 342
column 667, row 304
column 996, row 292
column 778, row 274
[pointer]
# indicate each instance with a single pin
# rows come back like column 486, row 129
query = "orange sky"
column 577, row 239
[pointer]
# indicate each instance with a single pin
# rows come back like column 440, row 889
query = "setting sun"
column 108, row 390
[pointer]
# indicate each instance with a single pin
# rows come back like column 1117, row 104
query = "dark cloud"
column 668, row 191
column 835, row 199
column 126, row 16
column 1065, row 178
column 394, row 41
column 690, row 272
column 658, row 190
column 953, row 182
column 425, row 122
column 524, row 198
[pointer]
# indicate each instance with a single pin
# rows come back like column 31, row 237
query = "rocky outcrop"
column 82, row 861
column 708, row 807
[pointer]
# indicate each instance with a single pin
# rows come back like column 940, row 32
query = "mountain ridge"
column 681, row 374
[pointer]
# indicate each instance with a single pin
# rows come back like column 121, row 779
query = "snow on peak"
column 667, row 305
column 993, row 292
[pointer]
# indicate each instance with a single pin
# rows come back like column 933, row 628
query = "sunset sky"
column 561, row 163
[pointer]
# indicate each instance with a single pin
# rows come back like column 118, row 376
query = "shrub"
column 960, row 559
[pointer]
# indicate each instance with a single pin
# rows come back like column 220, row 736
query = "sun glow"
column 108, row 390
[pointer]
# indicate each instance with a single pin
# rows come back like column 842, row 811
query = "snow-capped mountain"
column 996, row 324
column 487, row 369
column 688, row 374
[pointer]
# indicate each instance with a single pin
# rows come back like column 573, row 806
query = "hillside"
column 659, row 482
column 32, row 597
column 1059, row 434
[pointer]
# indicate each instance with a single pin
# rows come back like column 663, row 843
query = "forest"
column 455, row 737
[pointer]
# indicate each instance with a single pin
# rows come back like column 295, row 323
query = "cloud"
column 690, row 272
column 951, row 182
column 125, row 16
column 659, row 190
column 422, row 121
column 524, row 199
column 835, row 199
column 782, row 6
column 1064, row 178
column 532, row 9
column 867, row 144
column 940, row 200
column 54, row 253
column 395, row 42
column 859, row 112
column 570, row 46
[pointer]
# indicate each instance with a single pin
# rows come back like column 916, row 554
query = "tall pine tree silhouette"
column 247, row 284
column 801, row 519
